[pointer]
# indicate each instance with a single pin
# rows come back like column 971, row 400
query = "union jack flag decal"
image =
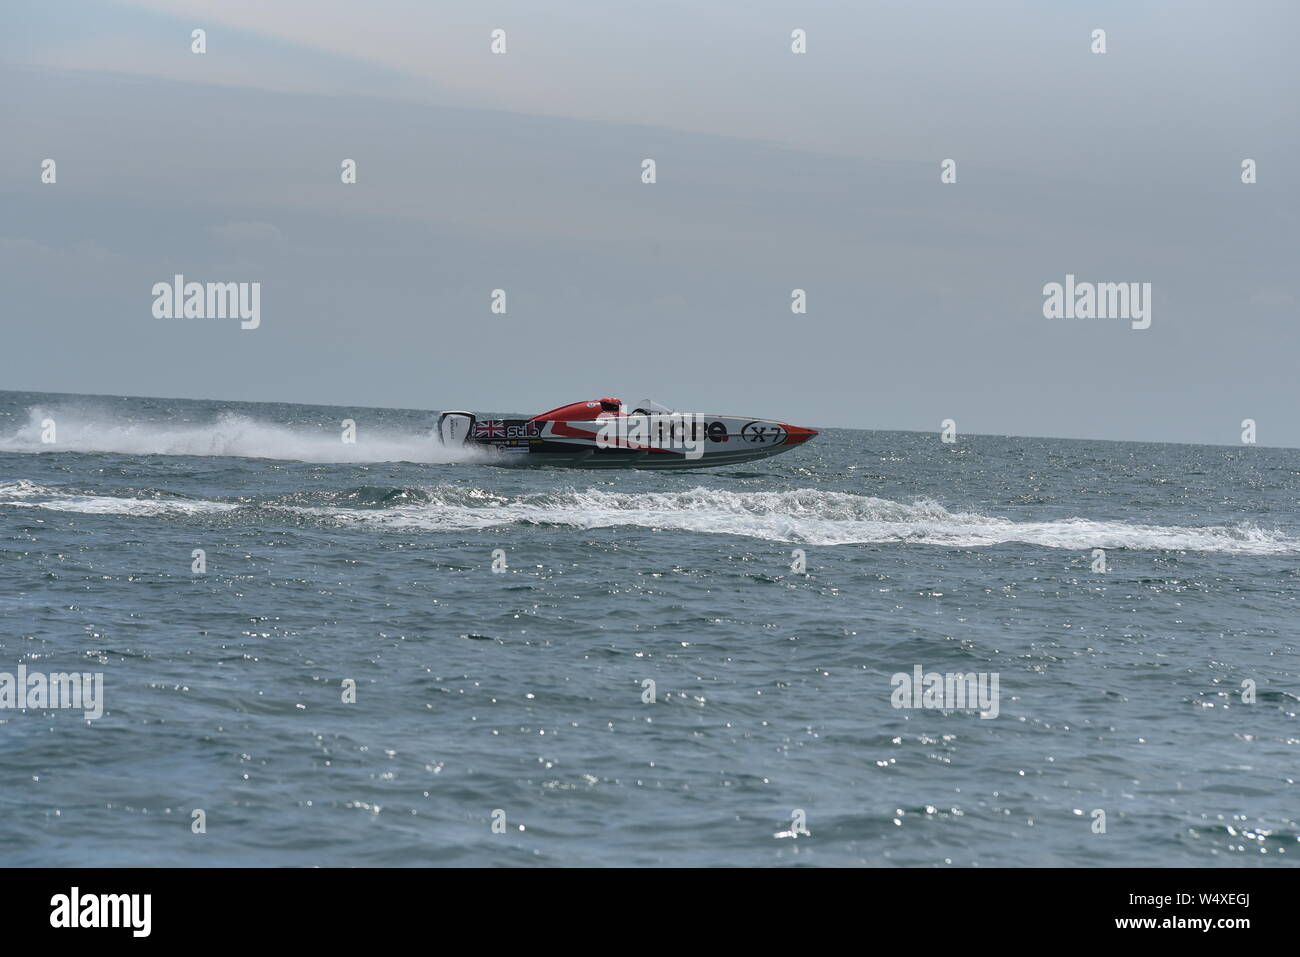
column 490, row 429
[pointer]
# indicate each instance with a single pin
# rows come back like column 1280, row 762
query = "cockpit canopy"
column 582, row 411
column 600, row 409
column 651, row 407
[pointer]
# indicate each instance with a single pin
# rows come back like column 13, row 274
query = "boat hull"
column 678, row 441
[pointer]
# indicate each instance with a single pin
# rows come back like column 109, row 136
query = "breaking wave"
column 805, row 517
column 24, row 494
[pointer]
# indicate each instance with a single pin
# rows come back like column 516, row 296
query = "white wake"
column 803, row 517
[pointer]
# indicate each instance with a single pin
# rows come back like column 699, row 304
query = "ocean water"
column 518, row 696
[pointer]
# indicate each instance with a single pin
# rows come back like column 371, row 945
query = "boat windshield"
column 650, row 407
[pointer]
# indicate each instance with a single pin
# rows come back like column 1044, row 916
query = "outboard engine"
column 454, row 428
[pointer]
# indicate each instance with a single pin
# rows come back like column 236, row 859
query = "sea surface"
column 503, row 717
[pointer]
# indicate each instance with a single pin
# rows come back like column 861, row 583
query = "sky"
column 775, row 171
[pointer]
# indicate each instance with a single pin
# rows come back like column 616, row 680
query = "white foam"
column 26, row 494
column 805, row 516
column 20, row 489
column 229, row 434
column 107, row 505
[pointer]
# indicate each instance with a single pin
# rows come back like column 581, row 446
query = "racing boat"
column 604, row 433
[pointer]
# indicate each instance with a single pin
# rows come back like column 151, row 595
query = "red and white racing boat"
column 605, row 433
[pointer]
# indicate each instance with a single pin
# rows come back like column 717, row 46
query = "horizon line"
column 851, row 428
